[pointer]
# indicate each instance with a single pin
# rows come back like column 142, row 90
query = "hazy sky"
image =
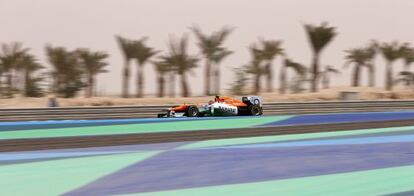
column 93, row 24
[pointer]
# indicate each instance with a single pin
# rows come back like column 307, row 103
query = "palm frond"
column 331, row 69
column 393, row 50
column 299, row 68
column 142, row 53
column 319, row 36
column 92, row 62
column 357, row 56
column 127, row 47
column 179, row 57
column 405, row 77
column 211, row 46
column 271, row 48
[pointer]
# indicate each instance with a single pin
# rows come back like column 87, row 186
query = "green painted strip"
column 277, row 138
column 142, row 128
column 60, row 176
column 371, row 182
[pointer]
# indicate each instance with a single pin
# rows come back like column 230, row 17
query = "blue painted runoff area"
column 348, row 141
column 314, row 119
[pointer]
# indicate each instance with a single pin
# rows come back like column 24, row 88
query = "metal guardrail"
column 105, row 112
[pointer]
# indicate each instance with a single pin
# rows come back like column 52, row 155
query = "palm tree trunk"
column 125, row 81
column 161, row 83
column 217, row 80
column 1, row 84
column 10, row 84
column 26, row 83
column 59, row 84
column 53, row 86
column 407, row 69
column 94, row 87
column 283, row 76
column 140, row 82
column 388, row 77
column 184, row 86
column 90, row 86
column 172, row 84
column 371, row 76
column 207, row 82
column 315, row 72
column 269, row 77
column 56, row 84
column 356, row 76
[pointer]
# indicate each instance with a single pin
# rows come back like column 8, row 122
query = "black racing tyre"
column 255, row 110
column 192, row 111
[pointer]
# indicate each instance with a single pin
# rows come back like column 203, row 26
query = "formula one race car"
column 221, row 106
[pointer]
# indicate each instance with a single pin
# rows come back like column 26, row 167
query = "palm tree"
column 67, row 72
column 371, row 51
column 29, row 64
column 319, row 37
column 326, row 73
column 270, row 49
column 407, row 77
column 218, row 57
column 56, row 57
column 213, row 52
column 92, row 63
column 255, row 67
column 10, row 59
column 168, row 63
column 408, row 56
column 391, row 52
column 182, row 61
column 1, row 78
column 240, row 82
column 298, row 68
column 128, row 50
column 2, row 71
column 359, row 58
column 163, row 67
column 142, row 53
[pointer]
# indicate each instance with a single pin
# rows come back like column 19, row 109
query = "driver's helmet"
column 217, row 99
column 210, row 102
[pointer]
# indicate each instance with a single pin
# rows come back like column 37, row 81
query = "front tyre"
column 255, row 110
column 192, row 111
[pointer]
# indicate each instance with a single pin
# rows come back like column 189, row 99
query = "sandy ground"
column 332, row 94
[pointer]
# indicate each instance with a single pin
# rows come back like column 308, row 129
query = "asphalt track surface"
column 40, row 135
column 70, row 134
column 148, row 138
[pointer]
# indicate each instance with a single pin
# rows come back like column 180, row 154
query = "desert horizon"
column 332, row 94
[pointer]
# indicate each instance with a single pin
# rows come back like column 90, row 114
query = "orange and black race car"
column 221, row 106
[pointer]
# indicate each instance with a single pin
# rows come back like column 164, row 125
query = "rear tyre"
column 255, row 110
column 192, row 111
